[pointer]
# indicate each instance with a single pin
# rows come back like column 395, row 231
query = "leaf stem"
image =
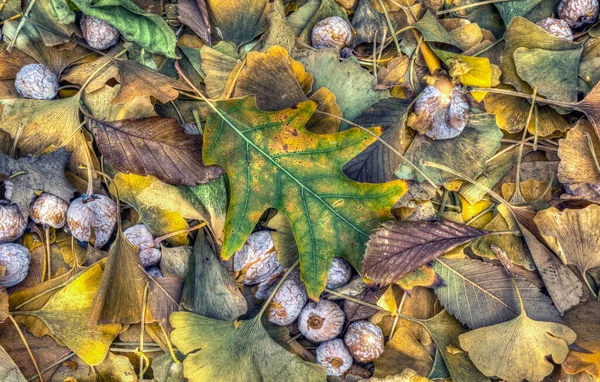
column 16, row 325
column 20, row 26
column 591, row 146
column 279, row 284
column 570, row 105
column 390, row 25
column 175, row 233
column 143, row 328
column 48, row 252
column 472, row 5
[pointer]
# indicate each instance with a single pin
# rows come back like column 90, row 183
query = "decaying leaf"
column 480, row 294
column 154, row 146
column 9, row 371
column 210, row 345
column 395, row 249
column 67, row 314
column 234, row 26
column 119, row 296
column 278, row 177
column 575, row 234
column 194, row 14
column 517, row 349
column 586, row 356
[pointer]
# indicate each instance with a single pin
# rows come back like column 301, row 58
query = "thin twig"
column 16, row 325
column 472, row 5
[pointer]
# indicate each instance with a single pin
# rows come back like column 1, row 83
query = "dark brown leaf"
column 355, row 312
column 398, row 248
column 194, row 15
column 163, row 299
column 154, row 146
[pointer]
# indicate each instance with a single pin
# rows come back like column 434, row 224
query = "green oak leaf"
column 212, row 345
column 148, row 30
column 273, row 161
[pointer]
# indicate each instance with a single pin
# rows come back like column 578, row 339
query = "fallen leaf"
column 162, row 207
column 240, row 134
column 517, row 349
column 480, row 294
column 305, row 18
column 147, row 30
column 585, row 356
column 576, row 234
column 210, row 345
column 66, row 315
column 194, row 15
column 236, row 21
column 120, row 292
column 153, row 146
column 9, row 371
column 397, row 248
column 36, row 174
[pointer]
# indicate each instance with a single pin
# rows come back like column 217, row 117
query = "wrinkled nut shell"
column 321, row 321
column 36, row 81
column 49, row 210
column 557, row 27
column 98, row 33
column 92, row 216
column 578, row 13
column 12, row 223
column 334, row 356
column 257, row 262
column 154, row 272
column 141, row 236
column 440, row 115
column 332, row 32
column 364, row 340
column 288, row 301
column 339, row 273
column 16, row 259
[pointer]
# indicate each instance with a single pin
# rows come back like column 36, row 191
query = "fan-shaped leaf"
column 212, row 345
column 481, row 294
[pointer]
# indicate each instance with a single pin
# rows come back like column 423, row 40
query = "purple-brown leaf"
column 154, row 146
column 194, row 15
column 397, row 248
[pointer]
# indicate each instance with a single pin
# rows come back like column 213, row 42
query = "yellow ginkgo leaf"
column 516, row 350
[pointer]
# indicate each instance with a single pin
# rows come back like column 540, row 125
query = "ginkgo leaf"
column 238, row 21
column 211, row 345
column 218, row 65
column 147, row 30
column 466, row 153
column 46, row 125
column 121, row 290
column 481, row 294
column 353, row 86
column 401, row 351
column 273, row 161
column 445, row 332
column 66, row 314
column 576, row 234
column 513, row 9
column 162, row 207
column 522, row 33
column 586, row 356
column 154, row 146
column 279, row 32
column 517, row 350
column 194, row 15
column 397, row 248
column 99, row 105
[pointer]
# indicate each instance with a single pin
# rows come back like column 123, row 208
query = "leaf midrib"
column 285, row 171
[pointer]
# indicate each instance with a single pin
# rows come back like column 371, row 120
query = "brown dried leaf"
column 194, row 15
column 154, row 146
column 395, row 249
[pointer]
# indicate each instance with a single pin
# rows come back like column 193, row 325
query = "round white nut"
column 257, row 261
column 364, row 340
column 578, row 13
column 440, row 114
column 98, row 33
column 321, row 321
column 334, row 356
column 143, row 239
column 557, row 27
column 288, row 301
column 92, row 216
column 154, row 272
column 332, row 32
column 36, row 81
column 49, row 210
column 12, row 223
column 16, row 259
column 339, row 273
